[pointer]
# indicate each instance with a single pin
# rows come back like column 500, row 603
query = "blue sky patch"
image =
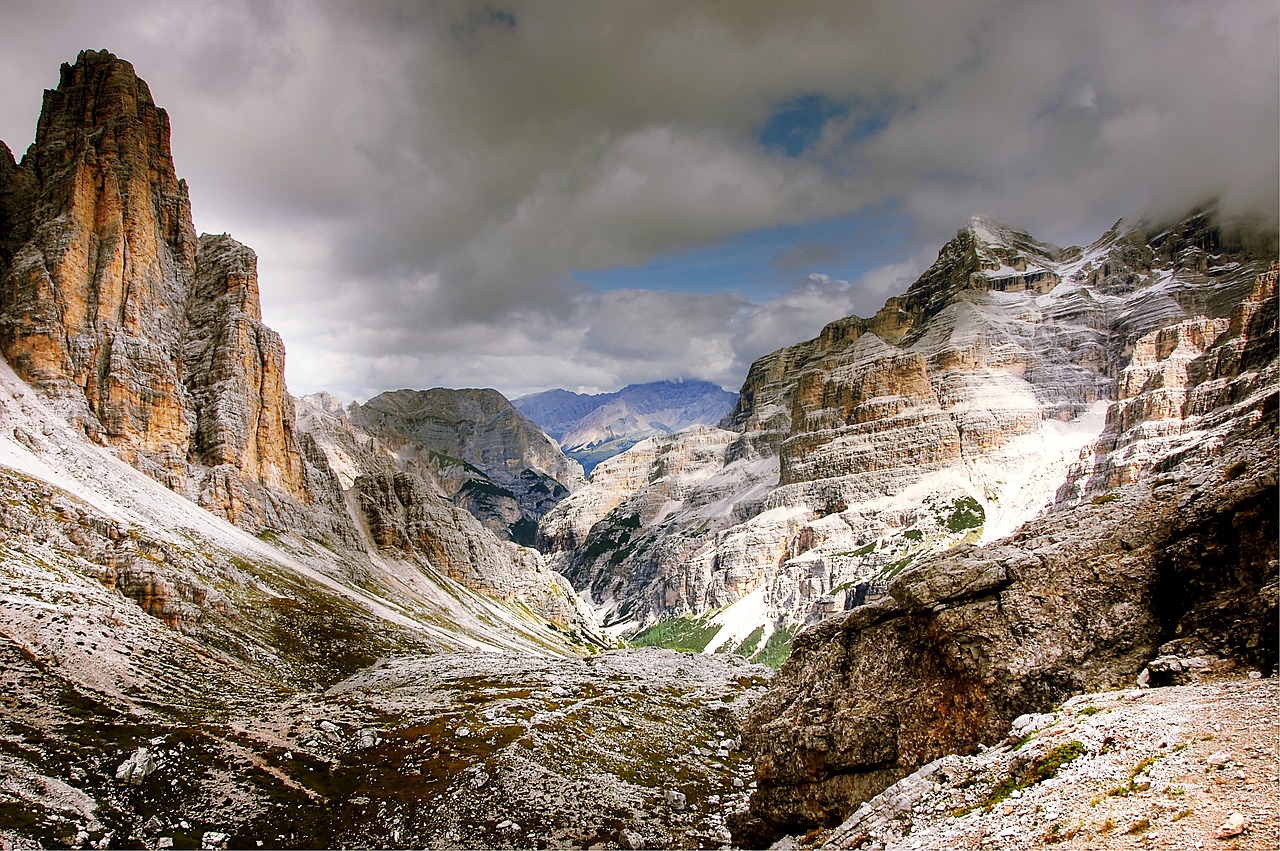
column 796, row 125
column 761, row 264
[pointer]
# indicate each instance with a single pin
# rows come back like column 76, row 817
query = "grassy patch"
column 966, row 513
column 750, row 643
column 1133, row 784
column 613, row 535
column 1039, row 770
column 1104, row 498
column 687, row 634
column 778, row 648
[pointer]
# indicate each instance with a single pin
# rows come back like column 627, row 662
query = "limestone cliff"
column 151, row 340
column 98, row 261
column 963, row 408
column 479, row 450
column 1172, row 553
column 398, row 490
column 405, row 516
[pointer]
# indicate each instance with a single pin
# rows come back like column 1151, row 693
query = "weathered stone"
column 151, row 340
column 860, row 703
column 235, row 363
column 955, row 414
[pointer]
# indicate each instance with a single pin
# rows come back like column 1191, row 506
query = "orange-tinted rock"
column 103, row 253
column 244, row 416
column 151, row 340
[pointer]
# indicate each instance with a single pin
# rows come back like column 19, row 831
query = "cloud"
column 806, row 254
column 420, row 179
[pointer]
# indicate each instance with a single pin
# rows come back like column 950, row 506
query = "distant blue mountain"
column 593, row 427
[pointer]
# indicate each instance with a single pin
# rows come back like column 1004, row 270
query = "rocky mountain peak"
column 149, row 339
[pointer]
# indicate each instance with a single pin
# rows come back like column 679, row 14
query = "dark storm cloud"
column 420, row 178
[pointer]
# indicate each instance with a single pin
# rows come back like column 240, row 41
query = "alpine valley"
column 233, row 618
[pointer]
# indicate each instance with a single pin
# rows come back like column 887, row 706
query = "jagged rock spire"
column 105, row 305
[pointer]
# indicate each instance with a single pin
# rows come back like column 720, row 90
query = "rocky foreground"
column 1190, row 766
column 631, row 749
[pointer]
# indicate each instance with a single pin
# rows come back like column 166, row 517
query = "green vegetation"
column 750, row 643
column 1039, row 770
column 487, row 487
column 778, row 648
column 893, row 568
column 1104, row 498
column 1133, row 785
column 966, row 513
column 1090, row 710
column 683, row 633
column 613, row 535
column 913, row 535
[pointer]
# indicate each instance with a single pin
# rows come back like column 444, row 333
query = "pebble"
column 1233, row 826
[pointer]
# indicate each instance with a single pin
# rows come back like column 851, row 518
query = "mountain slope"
column 953, row 415
column 211, row 637
column 472, row 445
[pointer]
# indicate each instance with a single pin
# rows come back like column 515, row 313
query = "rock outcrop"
column 1179, row 560
column 98, row 261
column 151, row 342
column 405, row 516
column 473, row 445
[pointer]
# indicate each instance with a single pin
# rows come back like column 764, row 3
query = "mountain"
column 149, row 339
column 472, row 445
column 1167, row 569
column 959, row 411
column 211, row 636
column 593, row 428
column 233, row 619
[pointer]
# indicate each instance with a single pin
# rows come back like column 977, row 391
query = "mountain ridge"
column 595, row 427
column 232, row 618
column 954, row 413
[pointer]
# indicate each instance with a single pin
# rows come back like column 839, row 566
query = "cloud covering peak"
column 527, row 194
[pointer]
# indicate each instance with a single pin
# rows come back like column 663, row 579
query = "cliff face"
column 963, row 408
column 481, row 452
column 398, row 489
column 150, row 339
column 99, row 257
column 151, row 342
column 1173, row 554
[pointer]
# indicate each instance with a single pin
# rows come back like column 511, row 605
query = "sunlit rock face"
column 963, row 408
column 151, row 342
column 150, row 339
column 99, row 257
column 1172, row 554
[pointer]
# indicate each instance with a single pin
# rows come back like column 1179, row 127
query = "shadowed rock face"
column 480, row 450
column 1180, row 559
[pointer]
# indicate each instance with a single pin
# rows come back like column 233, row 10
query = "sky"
column 585, row 194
